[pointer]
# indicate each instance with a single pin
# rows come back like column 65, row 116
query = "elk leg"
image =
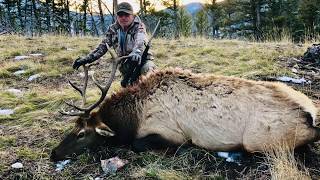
column 152, row 141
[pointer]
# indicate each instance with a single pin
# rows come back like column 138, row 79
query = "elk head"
column 89, row 129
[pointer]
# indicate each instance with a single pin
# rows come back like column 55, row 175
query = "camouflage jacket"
column 135, row 40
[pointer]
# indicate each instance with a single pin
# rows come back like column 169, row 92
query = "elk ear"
column 104, row 130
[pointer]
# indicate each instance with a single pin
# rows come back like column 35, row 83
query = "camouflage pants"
column 126, row 68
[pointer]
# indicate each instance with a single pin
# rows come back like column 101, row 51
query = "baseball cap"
column 125, row 7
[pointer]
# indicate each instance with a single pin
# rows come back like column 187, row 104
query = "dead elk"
column 171, row 107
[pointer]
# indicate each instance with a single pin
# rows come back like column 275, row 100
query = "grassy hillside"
column 36, row 127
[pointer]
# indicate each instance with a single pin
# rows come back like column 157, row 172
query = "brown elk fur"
column 214, row 112
column 277, row 94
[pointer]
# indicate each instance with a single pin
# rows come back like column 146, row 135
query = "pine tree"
column 173, row 5
column 214, row 12
column 202, row 23
column 84, row 9
column 309, row 11
column 185, row 22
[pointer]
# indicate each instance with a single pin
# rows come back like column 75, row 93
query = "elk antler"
column 104, row 89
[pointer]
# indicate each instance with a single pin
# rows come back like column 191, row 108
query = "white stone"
column 223, row 154
column 33, row 77
column 6, row 111
column 17, row 165
column 231, row 156
column 294, row 70
column 36, row 54
column 18, row 58
column 19, row 72
column 16, row 92
column 61, row 164
column 293, row 80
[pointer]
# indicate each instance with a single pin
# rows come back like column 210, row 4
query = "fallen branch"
column 309, row 67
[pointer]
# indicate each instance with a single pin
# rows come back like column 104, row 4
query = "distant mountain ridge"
column 194, row 8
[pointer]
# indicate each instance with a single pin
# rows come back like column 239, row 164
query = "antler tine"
column 63, row 112
column 82, row 93
column 84, row 88
column 74, row 106
column 86, row 77
column 75, row 87
column 113, row 55
column 104, row 89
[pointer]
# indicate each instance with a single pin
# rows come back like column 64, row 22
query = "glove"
column 78, row 62
column 135, row 57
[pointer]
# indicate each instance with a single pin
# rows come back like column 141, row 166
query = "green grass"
column 225, row 57
column 36, row 105
column 58, row 51
column 30, row 154
column 6, row 141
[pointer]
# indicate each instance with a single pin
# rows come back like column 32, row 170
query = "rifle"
column 132, row 76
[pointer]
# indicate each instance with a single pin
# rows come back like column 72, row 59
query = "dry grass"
column 283, row 165
column 29, row 135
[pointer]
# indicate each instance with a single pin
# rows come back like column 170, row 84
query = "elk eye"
column 80, row 135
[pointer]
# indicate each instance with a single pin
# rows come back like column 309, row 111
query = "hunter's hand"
column 135, row 57
column 78, row 62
